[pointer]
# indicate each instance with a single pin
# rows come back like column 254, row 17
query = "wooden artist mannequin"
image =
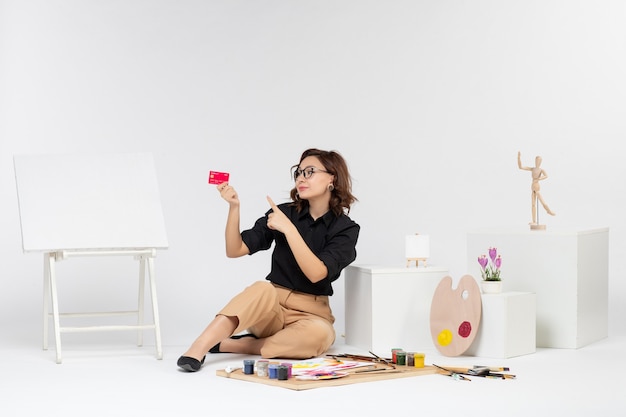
column 538, row 174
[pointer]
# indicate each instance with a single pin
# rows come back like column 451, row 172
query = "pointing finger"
column 272, row 204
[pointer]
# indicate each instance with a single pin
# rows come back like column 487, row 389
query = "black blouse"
column 331, row 238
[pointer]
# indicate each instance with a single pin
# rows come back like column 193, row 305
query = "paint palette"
column 455, row 315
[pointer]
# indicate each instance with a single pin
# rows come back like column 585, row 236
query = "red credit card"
column 216, row 177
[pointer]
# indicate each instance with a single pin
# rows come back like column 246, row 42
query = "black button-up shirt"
column 331, row 238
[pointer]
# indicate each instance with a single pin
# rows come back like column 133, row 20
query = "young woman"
column 288, row 315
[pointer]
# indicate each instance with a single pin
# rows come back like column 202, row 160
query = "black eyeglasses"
column 306, row 172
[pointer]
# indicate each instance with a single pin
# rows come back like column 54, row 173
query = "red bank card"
column 216, row 177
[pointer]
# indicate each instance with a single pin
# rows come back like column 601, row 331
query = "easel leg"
column 46, row 298
column 155, row 308
column 55, row 305
column 140, row 302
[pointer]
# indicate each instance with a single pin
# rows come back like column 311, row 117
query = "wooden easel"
column 416, row 260
column 417, row 249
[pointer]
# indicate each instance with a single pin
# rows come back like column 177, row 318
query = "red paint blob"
column 465, row 329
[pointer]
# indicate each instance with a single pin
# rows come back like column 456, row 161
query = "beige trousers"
column 293, row 325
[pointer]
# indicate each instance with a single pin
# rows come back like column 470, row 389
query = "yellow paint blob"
column 445, row 337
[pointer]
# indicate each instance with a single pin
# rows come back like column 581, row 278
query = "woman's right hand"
column 228, row 193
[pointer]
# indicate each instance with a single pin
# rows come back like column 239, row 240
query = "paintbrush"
column 455, row 375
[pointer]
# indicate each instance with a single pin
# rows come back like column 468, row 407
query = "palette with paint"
column 455, row 315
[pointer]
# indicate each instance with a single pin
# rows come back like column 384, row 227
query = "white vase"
column 491, row 287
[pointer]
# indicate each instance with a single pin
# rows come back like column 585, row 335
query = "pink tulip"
column 482, row 260
column 493, row 252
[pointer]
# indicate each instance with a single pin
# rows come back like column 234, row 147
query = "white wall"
column 429, row 101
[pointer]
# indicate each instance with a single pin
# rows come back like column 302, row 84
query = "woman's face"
column 311, row 178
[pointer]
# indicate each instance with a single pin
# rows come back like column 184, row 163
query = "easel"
column 417, row 248
column 92, row 206
column 416, row 260
column 145, row 258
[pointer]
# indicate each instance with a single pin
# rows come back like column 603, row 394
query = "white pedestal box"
column 389, row 307
column 568, row 272
column 507, row 326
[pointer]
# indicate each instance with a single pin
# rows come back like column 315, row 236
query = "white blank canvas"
column 105, row 201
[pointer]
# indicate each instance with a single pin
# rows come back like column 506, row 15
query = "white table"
column 389, row 307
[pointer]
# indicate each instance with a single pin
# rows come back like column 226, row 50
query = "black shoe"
column 216, row 348
column 190, row 364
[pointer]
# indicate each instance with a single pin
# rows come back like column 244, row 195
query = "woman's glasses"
column 306, row 172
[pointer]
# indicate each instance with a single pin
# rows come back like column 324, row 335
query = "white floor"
column 124, row 380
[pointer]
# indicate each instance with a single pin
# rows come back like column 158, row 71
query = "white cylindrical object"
column 417, row 246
